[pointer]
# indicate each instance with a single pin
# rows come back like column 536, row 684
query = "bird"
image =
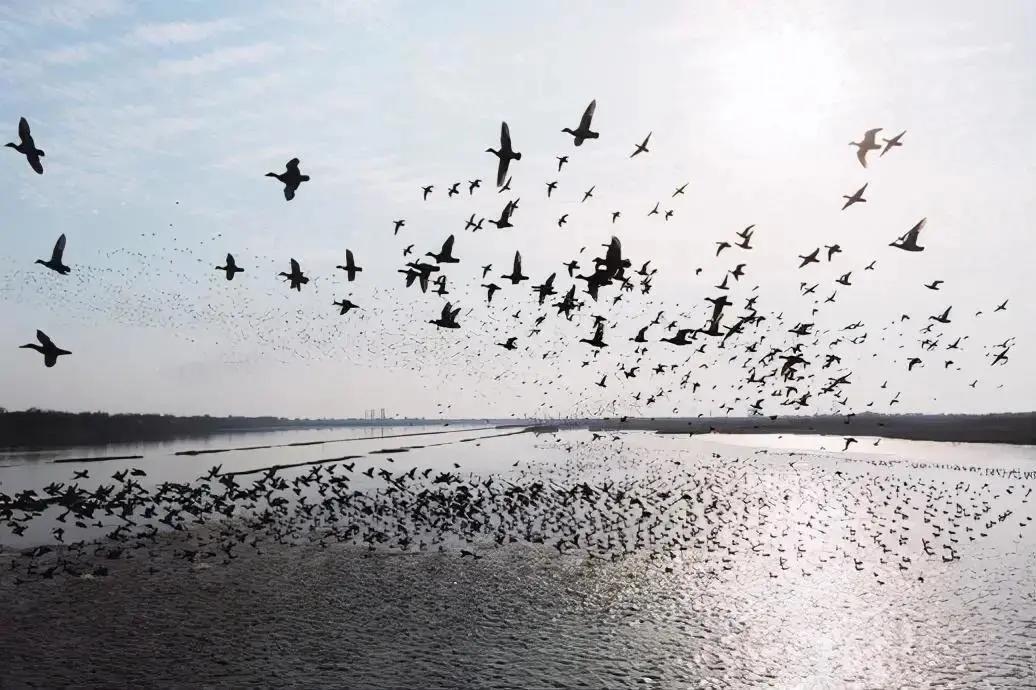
column 598, row 339
column 681, row 188
column 509, row 344
column 832, row 249
column 346, row 305
column 27, row 146
column 942, row 318
column 231, row 268
column 491, row 288
column 54, row 263
column 908, row 242
column 504, row 187
column 546, row 289
column 505, row 155
column 505, row 216
column 453, row 190
column 473, row 185
column 588, row 193
column 425, row 191
column 583, row 131
column 642, row 147
column 810, row 258
column 47, row 348
column 408, row 249
column 844, row 279
column 720, row 246
column 1001, row 307
column 654, row 211
column 448, row 318
column 350, row 267
column 615, row 215
column 865, row 145
column 849, row 440
column 516, row 272
column 291, row 178
column 296, row 278
column 445, row 255
column 934, row 285
column 892, row 143
column 398, row 224
column 856, row 197
column 550, row 187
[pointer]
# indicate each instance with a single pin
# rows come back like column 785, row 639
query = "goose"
column 350, row 267
column 583, row 132
column 231, row 268
column 27, row 147
column 47, row 348
column 505, row 155
column 54, row 263
column 291, row 178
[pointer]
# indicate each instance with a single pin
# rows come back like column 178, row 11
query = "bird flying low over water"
column 350, row 267
column 296, row 277
column 27, row 146
column 908, row 242
column 291, row 178
column 867, row 144
column 448, row 318
column 47, row 348
column 505, row 155
column 583, row 132
column 54, row 263
column 231, row 268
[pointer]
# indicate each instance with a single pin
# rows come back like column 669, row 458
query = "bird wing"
column 517, row 263
column 295, row 266
column 446, row 312
column 550, row 280
column 501, row 170
column 868, row 138
column 505, row 137
column 861, row 155
column 454, row 313
column 41, row 336
column 230, row 260
column 447, row 246
column 59, row 249
column 646, row 139
column 293, row 165
column 349, row 258
column 23, row 130
column 588, row 115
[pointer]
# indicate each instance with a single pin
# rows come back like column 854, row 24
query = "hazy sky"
column 159, row 120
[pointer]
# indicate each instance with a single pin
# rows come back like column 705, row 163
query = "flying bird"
column 642, row 147
column 350, row 267
column 296, row 278
column 47, row 348
column 857, row 197
column 230, row 268
column 505, row 155
column 291, row 178
column 867, row 144
column 27, row 146
column 892, row 143
column 583, row 132
column 54, row 263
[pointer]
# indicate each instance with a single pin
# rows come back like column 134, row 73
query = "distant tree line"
column 41, row 428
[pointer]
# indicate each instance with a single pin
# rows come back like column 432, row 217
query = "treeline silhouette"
column 45, row 428
column 1008, row 427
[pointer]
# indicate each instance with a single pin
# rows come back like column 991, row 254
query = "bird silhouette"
column 54, row 263
column 47, row 348
column 345, row 305
column 810, row 258
column 892, row 143
column 505, row 155
column 908, row 241
column 642, row 147
column 27, row 146
column 855, row 198
column 230, row 268
column 516, row 270
column 583, row 131
column 448, row 318
column 865, row 145
column 291, row 178
column 350, row 267
column 295, row 278
column 445, row 255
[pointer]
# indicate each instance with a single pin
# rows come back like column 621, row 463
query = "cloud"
column 72, row 13
column 175, row 33
column 217, row 60
column 74, row 54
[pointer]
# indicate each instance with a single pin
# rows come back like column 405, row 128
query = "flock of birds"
column 787, row 363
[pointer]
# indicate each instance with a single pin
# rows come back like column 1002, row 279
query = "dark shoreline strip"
column 336, row 440
column 99, row 459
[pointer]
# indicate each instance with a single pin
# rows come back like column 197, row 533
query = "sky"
column 159, row 121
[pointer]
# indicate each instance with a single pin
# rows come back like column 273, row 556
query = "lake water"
column 644, row 560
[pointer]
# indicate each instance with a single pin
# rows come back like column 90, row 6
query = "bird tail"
column 517, row 156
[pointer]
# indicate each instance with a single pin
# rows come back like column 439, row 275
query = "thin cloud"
column 216, row 60
column 72, row 13
column 176, row 33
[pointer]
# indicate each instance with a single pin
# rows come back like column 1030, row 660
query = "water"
column 800, row 566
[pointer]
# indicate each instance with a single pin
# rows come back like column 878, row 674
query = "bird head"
column 492, row 151
column 270, row 174
column 41, row 261
column 566, row 130
column 11, row 145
